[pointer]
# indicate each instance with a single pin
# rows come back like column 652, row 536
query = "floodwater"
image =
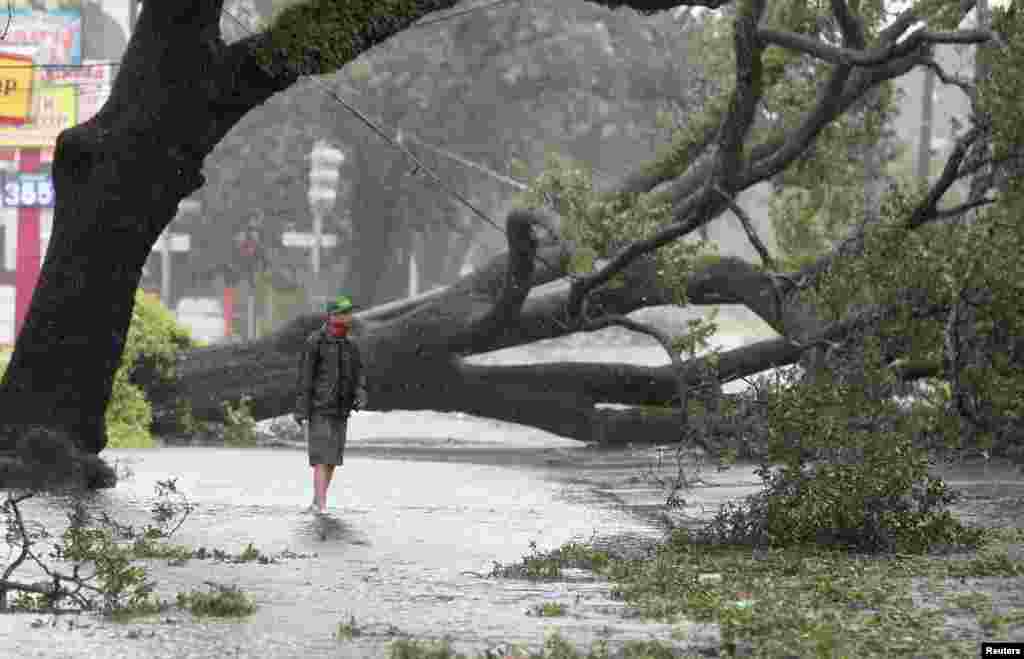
column 403, row 549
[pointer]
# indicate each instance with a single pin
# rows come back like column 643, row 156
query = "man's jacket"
column 330, row 376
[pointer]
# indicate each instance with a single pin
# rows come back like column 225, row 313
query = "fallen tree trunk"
column 416, row 349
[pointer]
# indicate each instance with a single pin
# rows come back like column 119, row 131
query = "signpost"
column 309, row 241
column 323, row 181
column 252, row 260
column 167, row 243
column 26, row 190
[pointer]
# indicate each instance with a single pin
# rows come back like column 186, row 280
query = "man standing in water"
column 331, row 386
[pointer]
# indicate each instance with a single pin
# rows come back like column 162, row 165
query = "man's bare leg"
column 320, row 481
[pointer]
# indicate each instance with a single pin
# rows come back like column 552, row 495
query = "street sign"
column 296, row 239
column 15, row 88
column 179, row 243
column 169, row 242
column 54, row 108
column 23, row 190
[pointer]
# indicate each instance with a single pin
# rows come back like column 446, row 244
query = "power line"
column 387, row 138
column 461, row 12
column 457, row 158
column 374, row 127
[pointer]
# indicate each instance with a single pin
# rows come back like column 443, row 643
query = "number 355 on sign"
column 21, row 190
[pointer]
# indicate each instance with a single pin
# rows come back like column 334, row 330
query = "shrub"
column 154, row 339
column 870, row 490
column 219, row 601
column 240, row 425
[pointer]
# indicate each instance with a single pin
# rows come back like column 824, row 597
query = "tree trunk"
column 118, row 179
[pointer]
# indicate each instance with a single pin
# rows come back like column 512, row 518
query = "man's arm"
column 304, row 386
column 360, row 397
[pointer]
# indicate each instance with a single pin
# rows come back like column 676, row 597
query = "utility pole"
column 873, row 173
column 415, row 244
column 133, row 15
column 924, row 145
column 984, row 21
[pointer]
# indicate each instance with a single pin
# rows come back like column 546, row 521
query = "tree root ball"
column 47, row 459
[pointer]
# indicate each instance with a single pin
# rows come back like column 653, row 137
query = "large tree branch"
column 835, row 97
column 827, row 107
column 966, row 86
column 912, row 15
column 849, row 25
column 682, row 391
column 735, row 126
column 875, row 56
column 746, row 95
column 646, row 178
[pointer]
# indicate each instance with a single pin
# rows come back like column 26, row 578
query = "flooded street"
column 423, row 507
column 403, row 550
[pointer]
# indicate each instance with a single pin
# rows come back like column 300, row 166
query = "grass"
column 347, row 630
column 220, row 601
column 179, row 554
column 549, row 565
column 801, row 602
column 549, row 610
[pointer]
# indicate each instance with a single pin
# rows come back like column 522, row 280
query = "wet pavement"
column 409, row 535
column 424, row 506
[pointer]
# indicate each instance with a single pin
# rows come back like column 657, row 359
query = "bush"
column 219, row 601
column 154, row 339
column 239, row 423
column 849, row 476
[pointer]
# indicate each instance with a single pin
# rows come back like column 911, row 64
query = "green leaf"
column 582, row 261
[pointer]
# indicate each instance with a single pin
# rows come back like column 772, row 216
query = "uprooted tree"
column 908, row 294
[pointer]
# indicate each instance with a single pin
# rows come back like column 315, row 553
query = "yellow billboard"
column 54, row 108
column 15, row 88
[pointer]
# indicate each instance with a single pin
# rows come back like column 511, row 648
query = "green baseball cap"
column 340, row 304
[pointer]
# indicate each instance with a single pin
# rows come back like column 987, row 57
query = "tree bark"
column 118, row 179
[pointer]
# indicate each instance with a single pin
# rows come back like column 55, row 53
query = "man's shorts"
column 327, row 439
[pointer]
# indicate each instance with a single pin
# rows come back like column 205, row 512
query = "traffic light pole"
column 318, row 229
column 251, row 308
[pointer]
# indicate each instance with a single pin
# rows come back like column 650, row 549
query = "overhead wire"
column 461, row 12
column 420, row 166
